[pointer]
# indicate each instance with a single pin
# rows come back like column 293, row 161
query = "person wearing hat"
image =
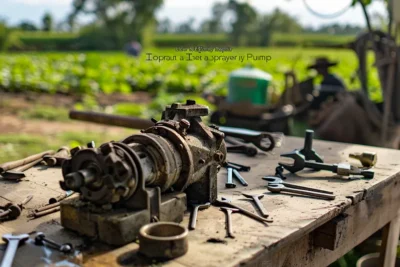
column 330, row 81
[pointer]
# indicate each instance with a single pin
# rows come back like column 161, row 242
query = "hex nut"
column 163, row 240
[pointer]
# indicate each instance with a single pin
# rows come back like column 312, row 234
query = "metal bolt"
column 175, row 105
column 218, row 156
column 91, row 144
column 190, row 102
column 184, row 124
column 279, row 172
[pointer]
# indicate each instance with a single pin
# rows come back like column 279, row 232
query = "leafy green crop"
column 109, row 72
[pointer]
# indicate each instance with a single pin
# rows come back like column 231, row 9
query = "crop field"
column 164, row 71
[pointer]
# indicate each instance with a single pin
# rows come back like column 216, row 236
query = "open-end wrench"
column 260, row 206
column 239, row 147
column 224, row 202
column 41, row 239
column 343, row 169
column 13, row 241
column 256, row 138
column 193, row 215
column 278, row 188
column 228, row 212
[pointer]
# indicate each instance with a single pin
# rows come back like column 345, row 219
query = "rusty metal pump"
column 179, row 153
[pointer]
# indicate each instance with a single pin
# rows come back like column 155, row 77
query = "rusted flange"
column 163, row 240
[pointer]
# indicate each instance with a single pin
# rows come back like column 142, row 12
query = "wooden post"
column 390, row 239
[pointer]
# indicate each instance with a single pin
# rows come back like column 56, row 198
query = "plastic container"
column 249, row 85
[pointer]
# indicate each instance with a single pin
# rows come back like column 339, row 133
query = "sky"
column 181, row 10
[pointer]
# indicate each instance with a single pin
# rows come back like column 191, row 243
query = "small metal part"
column 13, row 242
column 276, row 180
column 228, row 218
column 278, row 188
column 367, row 159
column 40, row 240
column 58, row 158
column 163, row 240
column 91, row 144
column 279, row 172
column 242, row 167
column 260, row 206
column 239, row 177
column 307, row 151
column 224, row 202
column 343, row 169
column 229, row 182
column 11, row 212
column 193, row 215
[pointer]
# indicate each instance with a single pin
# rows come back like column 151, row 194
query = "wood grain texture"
column 295, row 217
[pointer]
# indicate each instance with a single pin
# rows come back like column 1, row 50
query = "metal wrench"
column 13, row 241
column 278, row 188
column 228, row 212
column 260, row 206
column 276, row 180
column 193, row 215
column 225, row 202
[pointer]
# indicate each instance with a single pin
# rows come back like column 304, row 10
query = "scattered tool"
column 279, row 172
column 18, row 173
column 259, row 139
column 238, row 166
column 59, row 198
column 58, row 158
column 260, row 206
column 18, row 163
column 225, row 202
column 239, row 147
column 367, row 159
column 307, row 151
column 12, row 211
column 276, row 180
column 278, row 188
column 343, row 169
column 239, row 177
column 41, row 239
column 228, row 212
column 13, row 242
column 46, row 211
column 229, row 182
column 47, row 207
column 193, row 217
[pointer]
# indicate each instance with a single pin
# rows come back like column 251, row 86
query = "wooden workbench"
column 302, row 226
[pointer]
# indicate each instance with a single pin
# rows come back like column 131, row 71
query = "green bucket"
column 249, row 85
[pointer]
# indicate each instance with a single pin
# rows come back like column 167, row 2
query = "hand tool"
column 47, row 207
column 238, row 166
column 239, row 177
column 15, row 164
column 367, row 159
column 279, row 172
column 193, row 217
column 228, row 212
column 276, row 180
column 278, row 188
column 58, row 158
column 259, row 139
column 307, row 151
column 229, row 182
column 225, row 202
column 40, row 240
column 343, row 169
column 45, row 212
column 12, row 211
column 260, row 206
column 13, row 241
column 59, row 198
column 239, row 147
column 18, row 173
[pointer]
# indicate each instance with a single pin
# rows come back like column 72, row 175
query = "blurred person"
column 134, row 48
